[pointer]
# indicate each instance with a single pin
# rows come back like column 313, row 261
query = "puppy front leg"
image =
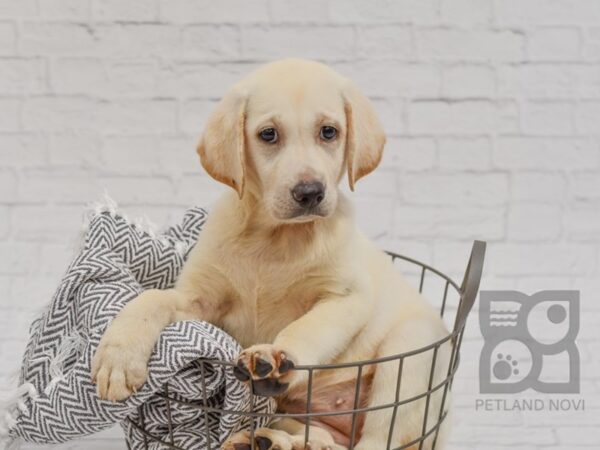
column 315, row 338
column 119, row 364
column 326, row 330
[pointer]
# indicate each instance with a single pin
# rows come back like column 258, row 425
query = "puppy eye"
column 328, row 133
column 269, row 135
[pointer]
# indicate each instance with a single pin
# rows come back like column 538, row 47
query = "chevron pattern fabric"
column 118, row 260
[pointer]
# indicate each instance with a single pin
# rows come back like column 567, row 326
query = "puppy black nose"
column 309, row 195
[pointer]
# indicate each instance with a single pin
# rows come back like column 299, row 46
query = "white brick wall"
column 492, row 108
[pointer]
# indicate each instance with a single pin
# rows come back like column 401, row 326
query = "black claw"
column 268, row 387
column 242, row 446
column 241, row 372
column 264, row 443
column 262, row 368
column 286, row 365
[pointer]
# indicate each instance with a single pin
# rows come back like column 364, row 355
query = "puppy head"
column 287, row 134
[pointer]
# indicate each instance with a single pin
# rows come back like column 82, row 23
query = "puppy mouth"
column 306, row 214
column 300, row 215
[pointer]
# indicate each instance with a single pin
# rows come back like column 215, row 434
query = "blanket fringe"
column 12, row 405
column 69, row 345
column 108, row 205
column 15, row 403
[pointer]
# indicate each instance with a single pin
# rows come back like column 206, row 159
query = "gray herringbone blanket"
column 118, row 260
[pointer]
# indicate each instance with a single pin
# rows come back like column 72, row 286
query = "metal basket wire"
column 449, row 292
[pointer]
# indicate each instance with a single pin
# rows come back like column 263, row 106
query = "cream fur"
column 310, row 287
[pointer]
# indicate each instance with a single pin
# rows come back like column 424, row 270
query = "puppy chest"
column 264, row 307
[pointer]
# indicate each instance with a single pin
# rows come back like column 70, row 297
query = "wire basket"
column 454, row 302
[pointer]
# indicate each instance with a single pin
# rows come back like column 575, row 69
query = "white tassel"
column 12, row 406
column 181, row 248
column 106, row 204
column 69, row 345
column 148, row 226
column 22, row 406
column 32, row 391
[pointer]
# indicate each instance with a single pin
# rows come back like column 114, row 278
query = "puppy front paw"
column 117, row 371
column 268, row 368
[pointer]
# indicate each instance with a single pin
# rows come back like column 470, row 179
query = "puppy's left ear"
column 222, row 148
column 365, row 137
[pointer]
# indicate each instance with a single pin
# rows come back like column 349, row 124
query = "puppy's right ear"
column 222, row 148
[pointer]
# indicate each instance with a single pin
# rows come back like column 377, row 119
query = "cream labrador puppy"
column 282, row 267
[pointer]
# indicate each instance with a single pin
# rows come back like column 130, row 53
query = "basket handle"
column 470, row 285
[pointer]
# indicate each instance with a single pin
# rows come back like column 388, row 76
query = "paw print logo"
column 505, row 367
column 521, row 333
